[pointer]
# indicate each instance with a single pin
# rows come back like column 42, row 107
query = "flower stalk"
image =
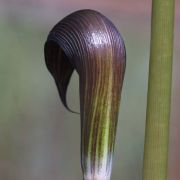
column 159, row 91
column 86, row 41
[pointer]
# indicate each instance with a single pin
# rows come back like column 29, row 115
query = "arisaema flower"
column 86, row 41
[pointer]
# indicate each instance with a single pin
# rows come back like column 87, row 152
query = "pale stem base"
column 97, row 178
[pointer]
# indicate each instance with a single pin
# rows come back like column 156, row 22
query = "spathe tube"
column 86, row 41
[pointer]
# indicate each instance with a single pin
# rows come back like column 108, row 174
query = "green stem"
column 159, row 91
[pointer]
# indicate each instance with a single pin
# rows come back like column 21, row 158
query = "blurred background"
column 39, row 138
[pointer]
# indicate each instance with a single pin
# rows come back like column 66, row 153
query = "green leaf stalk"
column 159, row 91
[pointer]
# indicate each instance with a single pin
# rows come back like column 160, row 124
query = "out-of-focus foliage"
column 39, row 139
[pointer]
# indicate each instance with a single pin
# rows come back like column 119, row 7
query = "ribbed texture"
column 89, row 43
column 159, row 91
